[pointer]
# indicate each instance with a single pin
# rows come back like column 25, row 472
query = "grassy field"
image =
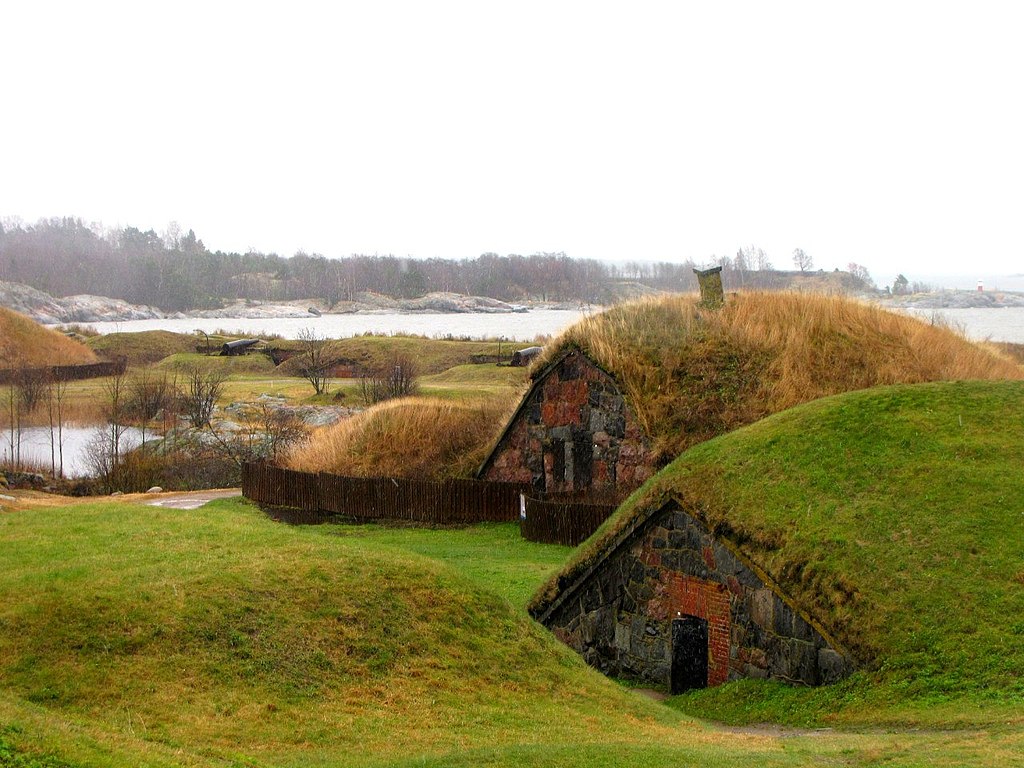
column 893, row 516
column 142, row 636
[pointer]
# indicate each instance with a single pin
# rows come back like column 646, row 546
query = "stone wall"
column 620, row 617
column 575, row 432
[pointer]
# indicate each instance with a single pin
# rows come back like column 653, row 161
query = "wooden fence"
column 560, row 521
column 316, row 497
column 65, row 372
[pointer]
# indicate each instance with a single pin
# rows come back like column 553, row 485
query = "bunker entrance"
column 689, row 654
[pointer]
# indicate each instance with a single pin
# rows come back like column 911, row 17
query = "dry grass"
column 23, row 341
column 424, row 438
column 692, row 373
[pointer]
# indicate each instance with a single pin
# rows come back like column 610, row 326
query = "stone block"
column 762, row 605
column 831, row 666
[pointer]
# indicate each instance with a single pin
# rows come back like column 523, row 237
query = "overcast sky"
column 889, row 134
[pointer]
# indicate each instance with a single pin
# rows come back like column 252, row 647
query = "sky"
column 890, row 134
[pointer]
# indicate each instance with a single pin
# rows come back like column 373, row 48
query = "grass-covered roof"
column 692, row 373
column 894, row 517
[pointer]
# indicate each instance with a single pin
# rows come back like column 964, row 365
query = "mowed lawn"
column 133, row 635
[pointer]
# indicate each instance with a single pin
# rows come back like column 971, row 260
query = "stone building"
column 574, row 432
column 667, row 602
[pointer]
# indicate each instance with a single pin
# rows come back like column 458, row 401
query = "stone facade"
column 574, row 432
column 620, row 614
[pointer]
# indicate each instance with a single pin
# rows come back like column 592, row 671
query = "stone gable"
column 574, row 432
column 621, row 616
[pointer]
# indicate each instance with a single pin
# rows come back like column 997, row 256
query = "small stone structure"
column 573, row 432
column 712, row 295
column 669, row 603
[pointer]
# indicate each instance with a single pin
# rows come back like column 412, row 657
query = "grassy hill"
column 894, row 517
column 137, row 635
column 430, row 355
column 23, row 341
column 691, row 373
column 140, row 636
column 418, row 437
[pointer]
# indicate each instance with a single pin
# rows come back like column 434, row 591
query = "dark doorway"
column 689, row 653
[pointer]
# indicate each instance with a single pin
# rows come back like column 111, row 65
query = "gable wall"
column 620, row 618
column 575, row 433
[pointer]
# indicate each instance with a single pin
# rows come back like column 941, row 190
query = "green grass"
column 134, row 635
column 894, row 517
column 222, row 634
column 143, row 347
column 430, row 355
column 254, row 363
column 493, row 556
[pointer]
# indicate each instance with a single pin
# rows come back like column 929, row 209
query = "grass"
column 23, row 341
column 144, row 636
column 415, row 437
column 691, row 373
column 144, row 347
column 431, row 355
column 233, row 364
column 893, row 517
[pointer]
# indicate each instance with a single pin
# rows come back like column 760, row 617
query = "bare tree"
column 200, row 393
column 802, row 261
column 395, row 379
column 149, row 394
column 316, row 359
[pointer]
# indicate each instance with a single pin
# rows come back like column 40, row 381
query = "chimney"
column 711, row 294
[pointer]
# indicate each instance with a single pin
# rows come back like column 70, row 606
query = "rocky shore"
column 954, row 299
column 50, row 310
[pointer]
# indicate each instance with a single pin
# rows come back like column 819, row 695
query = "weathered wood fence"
column 316, row 497
column 560, row 521
column 64, row 372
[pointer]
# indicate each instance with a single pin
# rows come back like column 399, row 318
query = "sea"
column 536, row 325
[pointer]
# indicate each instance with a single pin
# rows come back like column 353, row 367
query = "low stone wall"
column 619, row 617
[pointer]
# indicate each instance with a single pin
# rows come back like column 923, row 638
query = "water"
column 1005, row 324
column 981, row 324
column 35, row 446
column 518, row 326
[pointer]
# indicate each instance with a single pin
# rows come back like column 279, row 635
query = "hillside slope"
column 691, row 373
column 893, row 516
column 23, row 341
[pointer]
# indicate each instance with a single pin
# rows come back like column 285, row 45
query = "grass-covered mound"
column 372, row 352
column 23, row 341
column 895, row 517
column 692, row 373
column 143, row 636
column 415, row 437
column 143, row 347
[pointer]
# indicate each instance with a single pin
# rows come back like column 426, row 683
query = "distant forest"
column 176, row 272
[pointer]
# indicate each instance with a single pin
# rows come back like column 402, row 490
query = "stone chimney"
column 711, row 294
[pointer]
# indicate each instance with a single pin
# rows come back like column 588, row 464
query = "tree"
column 316, row 359
column 391, row 380
column 200, row 393
column 900, row 285
column 802, row 261
column 860, row 272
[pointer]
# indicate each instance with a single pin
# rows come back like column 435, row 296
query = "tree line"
column 175, row 271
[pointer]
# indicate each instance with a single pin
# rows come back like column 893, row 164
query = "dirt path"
column 191, row 500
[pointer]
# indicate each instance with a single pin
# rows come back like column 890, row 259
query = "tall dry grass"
column 691, row 373
column 23, row 341
column 414, row 437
